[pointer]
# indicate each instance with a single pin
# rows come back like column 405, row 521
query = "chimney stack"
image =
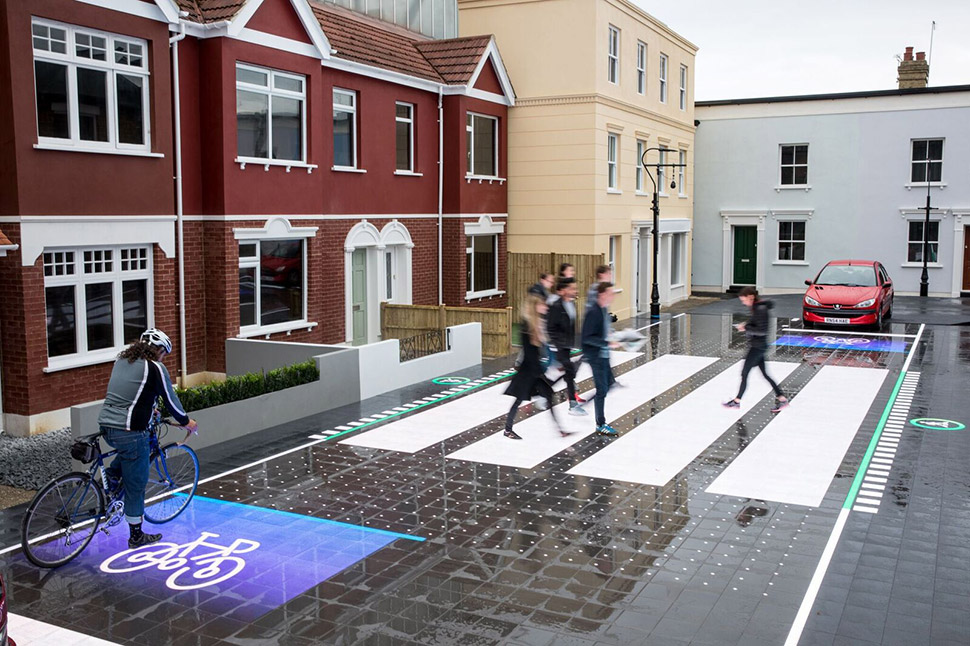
column 913, row 73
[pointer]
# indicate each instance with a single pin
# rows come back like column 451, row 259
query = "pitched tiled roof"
column 5, row 241
column 206, row 11
column 360, row 38
column 455, row 59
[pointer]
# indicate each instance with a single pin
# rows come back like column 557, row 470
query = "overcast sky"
column 757, row 48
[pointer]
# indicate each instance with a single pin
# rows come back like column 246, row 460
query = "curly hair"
column 139, row 350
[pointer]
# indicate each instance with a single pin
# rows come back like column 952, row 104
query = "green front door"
column 358, row 298
column 745, row 255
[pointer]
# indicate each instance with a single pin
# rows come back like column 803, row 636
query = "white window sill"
column 911, row 185
column 347, row 169
column 641, row 194
column 919, row 265
column 266, row 163
column 408, row 173
column 663, row 194
column 55, row 364
column 678, row 286
column 617, row 290
column 796, row 263
column 489, row 293
column 614, row 191
column 682, row 196
column 100, row 151
column 793, row 187
column 485, row 178
column 266, row 330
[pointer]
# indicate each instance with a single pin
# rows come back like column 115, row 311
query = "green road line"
column 419, row 406
column 864, row 466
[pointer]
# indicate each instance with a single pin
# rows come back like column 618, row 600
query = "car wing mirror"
column 808, row 282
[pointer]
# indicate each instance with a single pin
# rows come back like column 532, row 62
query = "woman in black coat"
column 530, row 378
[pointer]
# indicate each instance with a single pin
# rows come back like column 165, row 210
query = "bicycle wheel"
column 62, row 519
column 172, row 478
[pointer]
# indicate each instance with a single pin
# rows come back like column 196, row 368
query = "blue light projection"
column 835, row 341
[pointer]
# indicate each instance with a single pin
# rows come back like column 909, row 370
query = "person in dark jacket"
column 756, row 330
column 541, row 288
column 561, row 326
column 596, row 351
column 137, row 380
column 530, row 379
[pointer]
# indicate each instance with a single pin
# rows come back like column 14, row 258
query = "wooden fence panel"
column 403, row 321
column 524, row 270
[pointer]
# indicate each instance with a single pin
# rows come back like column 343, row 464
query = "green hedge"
column 246, row 386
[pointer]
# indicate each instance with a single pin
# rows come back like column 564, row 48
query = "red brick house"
column 217, row 168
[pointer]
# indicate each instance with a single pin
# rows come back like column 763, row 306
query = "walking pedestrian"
column 542, row 286
column 756, row 331
column 596, row 351
column 530, row 377
column 567, row 270
column 561, row 326
column 603, row 274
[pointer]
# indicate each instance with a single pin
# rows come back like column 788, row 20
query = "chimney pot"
column 921, row 56
column 908, row 56
column 913, row 73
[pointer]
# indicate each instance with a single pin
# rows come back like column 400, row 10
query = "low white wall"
column 381, row 369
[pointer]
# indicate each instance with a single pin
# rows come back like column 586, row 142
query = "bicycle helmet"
column 157, row 338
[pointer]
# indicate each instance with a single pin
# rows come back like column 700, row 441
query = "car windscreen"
column 847, row 275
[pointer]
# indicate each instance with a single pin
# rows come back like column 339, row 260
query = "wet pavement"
column 365, row 545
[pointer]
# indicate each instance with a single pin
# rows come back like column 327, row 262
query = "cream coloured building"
column 596, row 81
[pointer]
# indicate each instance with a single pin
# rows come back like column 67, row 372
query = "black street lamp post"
column 655, row 290
column 924, row 280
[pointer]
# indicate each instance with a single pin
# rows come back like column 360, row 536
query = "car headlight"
column 811, row 301
column 867, row 303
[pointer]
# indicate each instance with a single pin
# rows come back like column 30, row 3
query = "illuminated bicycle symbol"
column 190, row 568
column 834, row 340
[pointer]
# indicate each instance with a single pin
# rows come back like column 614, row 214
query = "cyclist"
column 138, row 379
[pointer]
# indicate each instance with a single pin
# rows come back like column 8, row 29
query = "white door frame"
column 731, row 219
column 961, row 219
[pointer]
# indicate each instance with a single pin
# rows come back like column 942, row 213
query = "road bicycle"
column 69, row 510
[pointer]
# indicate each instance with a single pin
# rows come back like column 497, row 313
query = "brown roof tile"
column 207, row 11
column 455, row 59
column 4, row 240
column 366, row 40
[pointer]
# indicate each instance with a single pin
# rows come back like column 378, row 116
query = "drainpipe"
column 174, row 43
column 441, row 170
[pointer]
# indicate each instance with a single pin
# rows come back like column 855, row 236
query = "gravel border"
column 30, row 462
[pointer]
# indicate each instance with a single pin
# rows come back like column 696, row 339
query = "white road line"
column 842, row 332
column 909, row 359
column 869, row 485
column 656, row 450
column 868, row 510
column 540, row 436
column 795, row 457
column 436, row 424
column 30, row 632
column 641, row 329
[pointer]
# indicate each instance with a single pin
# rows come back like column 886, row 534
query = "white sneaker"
column 578, row 410
column 540, row 404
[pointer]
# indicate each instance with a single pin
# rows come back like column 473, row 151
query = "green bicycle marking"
column 937, row 424
column 867, row 458
column 450, row 381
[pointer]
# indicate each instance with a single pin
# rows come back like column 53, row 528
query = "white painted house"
column 785, row 184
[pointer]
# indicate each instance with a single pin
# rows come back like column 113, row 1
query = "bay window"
column 270, row 115
column 482, row 145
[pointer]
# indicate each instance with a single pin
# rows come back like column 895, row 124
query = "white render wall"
column 858, row 204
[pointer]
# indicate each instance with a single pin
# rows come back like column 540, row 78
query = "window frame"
column 613, row 56
column 641, row 146
column 112, row 69
column 78, row 280
column 663, row 77
column 678, row 241
column 794, row 165
column 682, row 173
column 410, row 123
column 612, row 165
column 791, row 240
column 269, row 90
column 254, row 262
column 934, row 245
column 354, row 136
column 641, row 68
column 470, row 153
column 611, row 256
column 661, row 172
column 470, row 266
column 683, row 87
column 926, row 162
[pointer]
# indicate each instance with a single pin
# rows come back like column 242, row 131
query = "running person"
column 138, row 379
column 561, row 326
column 756, row 330
column 530, row 378
column 596, row 351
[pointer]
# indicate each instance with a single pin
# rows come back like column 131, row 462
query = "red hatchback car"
column 849, row 292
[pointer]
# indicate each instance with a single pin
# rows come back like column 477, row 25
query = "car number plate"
column 837, row 321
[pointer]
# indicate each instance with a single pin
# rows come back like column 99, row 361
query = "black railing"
column 421, row 345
